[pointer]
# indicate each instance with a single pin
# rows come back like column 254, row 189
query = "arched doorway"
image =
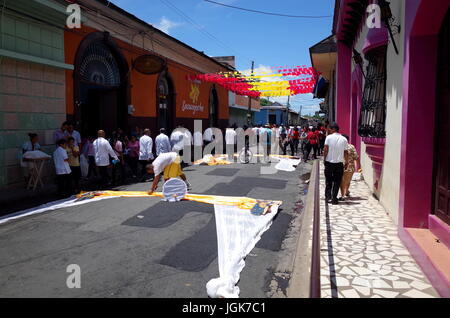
column 100, row 85
column 213, row 108
column 165, row 102
column 442, row 154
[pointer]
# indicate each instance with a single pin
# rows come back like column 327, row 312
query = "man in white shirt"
column 162, row 142
column 177, row 140
column 103, row 152
column 335, row 154
column 61, row 160
column 230, row 140
column 169, row 165
column 208, row 136
column 145, row 153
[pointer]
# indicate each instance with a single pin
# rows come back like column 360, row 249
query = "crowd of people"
column 307, row 142
column 112, row 161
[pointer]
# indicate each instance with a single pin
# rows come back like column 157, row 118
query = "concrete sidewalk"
column 361, row 254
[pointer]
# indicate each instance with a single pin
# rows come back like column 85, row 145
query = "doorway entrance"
column 166, row 97
column 214, row 108
column 442, row 160
column 100, row 86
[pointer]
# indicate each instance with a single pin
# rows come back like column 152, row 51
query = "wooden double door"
column 442, row 154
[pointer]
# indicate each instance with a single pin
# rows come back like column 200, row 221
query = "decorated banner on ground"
column 238, row 231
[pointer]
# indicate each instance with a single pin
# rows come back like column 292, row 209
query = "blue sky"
column 268, row 40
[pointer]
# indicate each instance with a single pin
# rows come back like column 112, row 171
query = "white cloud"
column 166, row 25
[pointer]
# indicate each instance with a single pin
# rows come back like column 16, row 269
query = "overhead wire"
column 270, row 13
column 201, row 29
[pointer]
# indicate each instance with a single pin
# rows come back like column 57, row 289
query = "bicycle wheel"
column 245, row 156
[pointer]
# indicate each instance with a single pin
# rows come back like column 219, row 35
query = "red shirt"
column 312, row 138
column 295, row 134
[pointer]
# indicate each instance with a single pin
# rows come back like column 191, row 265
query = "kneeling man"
column 169, row 164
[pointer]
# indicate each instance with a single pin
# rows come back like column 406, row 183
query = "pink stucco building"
column 391, row 90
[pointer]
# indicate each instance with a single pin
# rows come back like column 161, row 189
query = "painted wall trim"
column 440, row 229
column 35, row 59
column 435, row 276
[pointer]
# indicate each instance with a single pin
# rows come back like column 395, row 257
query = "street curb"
column 299, row 284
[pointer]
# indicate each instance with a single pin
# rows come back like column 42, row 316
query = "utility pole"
column 288, row 109
column 249, row 121
column 249, row 111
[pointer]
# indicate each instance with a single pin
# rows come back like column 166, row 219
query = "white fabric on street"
column 162, row 144
column 59, row 158
column 174, row 190
column 146, row 148
column 337, row 145
column 103, row 150
column 287, row 165
column 238, row 231
column 52, row 206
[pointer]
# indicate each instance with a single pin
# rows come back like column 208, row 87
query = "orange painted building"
column 105, row 90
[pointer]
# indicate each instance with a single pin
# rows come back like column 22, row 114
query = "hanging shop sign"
column 149, row 64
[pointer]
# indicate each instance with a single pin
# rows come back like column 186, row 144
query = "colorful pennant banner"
column 292, row 81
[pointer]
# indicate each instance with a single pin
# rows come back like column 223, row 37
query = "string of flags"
column 280, row 81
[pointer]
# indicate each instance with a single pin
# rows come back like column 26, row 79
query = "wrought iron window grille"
column 372, row 119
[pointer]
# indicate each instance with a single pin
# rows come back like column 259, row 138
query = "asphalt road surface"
column 143, row 247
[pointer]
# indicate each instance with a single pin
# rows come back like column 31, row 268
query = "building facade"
column 277, row 114
column 104, row 54
column 32, row 80
column 392, row 96
column 323, row 59
column 239, row 110
column 50, row 73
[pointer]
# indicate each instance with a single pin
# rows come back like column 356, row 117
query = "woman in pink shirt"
column 133, row 154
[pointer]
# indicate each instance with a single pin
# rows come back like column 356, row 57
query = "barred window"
column 373, row 111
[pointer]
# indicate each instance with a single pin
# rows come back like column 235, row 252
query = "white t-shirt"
column 145, row 148
column 103, row 150
column 230, row 136
column 59, row 157
column 337, row 144
column 162, row 143
column 177, row 140
column 208, row 135
column 163, row 161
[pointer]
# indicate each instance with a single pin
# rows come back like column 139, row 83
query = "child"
column 61, row 160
